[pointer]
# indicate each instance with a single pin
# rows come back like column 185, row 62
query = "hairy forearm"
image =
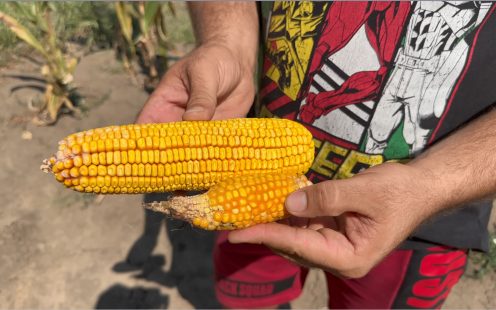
column 234, row 24
column 462, row 167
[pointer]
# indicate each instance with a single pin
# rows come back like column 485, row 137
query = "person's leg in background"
column 252, row 276
column 412, row 278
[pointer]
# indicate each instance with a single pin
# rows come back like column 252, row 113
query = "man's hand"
column 216, row 80
column 347, row 226
column 210, row 83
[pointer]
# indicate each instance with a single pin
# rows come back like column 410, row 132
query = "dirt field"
column 61, row 249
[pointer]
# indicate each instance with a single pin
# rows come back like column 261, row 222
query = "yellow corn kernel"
column 101, row 145
column 74, row 172
column 93, row 146
column 83, row 170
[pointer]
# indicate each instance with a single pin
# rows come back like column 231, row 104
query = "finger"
column 298, row 222
column 329, row 198
column 324, row 247
column 229, row 113
column 311, row 223
column 160, row 112
column 236, row 105
column 295, row 260
column 323, row 222
column 203, row 81
column 167, row 103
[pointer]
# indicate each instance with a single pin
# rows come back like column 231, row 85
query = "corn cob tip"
column 192, row 209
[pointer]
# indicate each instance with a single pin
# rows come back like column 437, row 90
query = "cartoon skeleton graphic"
column 425, row 72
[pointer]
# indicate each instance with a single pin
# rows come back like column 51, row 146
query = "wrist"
column 433, row 186
column 245, row 54
column 234, row 25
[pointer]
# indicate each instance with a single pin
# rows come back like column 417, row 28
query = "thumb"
column 203, row 88
column 329, row 198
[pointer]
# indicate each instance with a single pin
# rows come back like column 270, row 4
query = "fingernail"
column 296, row 202
column 197, row 113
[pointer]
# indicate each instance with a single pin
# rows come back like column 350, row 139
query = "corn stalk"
column 58, row 67
column 144, row 36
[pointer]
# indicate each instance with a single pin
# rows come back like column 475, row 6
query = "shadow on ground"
column 191, row 270
column 121, row 297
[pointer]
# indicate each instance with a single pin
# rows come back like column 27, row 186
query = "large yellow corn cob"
column 179, row 156
column 191, row 156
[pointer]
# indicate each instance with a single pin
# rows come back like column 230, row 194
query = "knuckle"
column 202, row 98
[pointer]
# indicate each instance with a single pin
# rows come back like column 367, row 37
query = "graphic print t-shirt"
column 379, row 81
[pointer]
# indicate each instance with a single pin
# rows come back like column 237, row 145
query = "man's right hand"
column 212, row 82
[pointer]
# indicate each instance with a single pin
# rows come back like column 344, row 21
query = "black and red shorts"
column 252, row 276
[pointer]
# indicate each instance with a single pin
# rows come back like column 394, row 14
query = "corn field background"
column 58, row 34
column 62, row 249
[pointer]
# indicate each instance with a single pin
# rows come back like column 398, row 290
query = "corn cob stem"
column 234, row 203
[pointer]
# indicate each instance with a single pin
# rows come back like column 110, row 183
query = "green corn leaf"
column 52, row 5
column 41, row 9
column 23, row 10
column 150, row 11
column 22, row 32
column 88, row 24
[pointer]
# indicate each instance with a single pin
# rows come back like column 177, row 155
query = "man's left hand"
column 348, row 226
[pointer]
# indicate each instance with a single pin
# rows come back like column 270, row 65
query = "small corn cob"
column 235, row 203
column 189, row 155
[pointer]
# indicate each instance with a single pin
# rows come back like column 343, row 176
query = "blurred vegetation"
column 40, row 25
column 485, row 263
column 86, row 23
column 83, row 27
column 100, row 25
column 144, row 37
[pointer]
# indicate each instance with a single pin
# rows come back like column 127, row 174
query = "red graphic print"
column 441, row 271
column 384, row 22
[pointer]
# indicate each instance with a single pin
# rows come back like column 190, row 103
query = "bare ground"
column 62, row 249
